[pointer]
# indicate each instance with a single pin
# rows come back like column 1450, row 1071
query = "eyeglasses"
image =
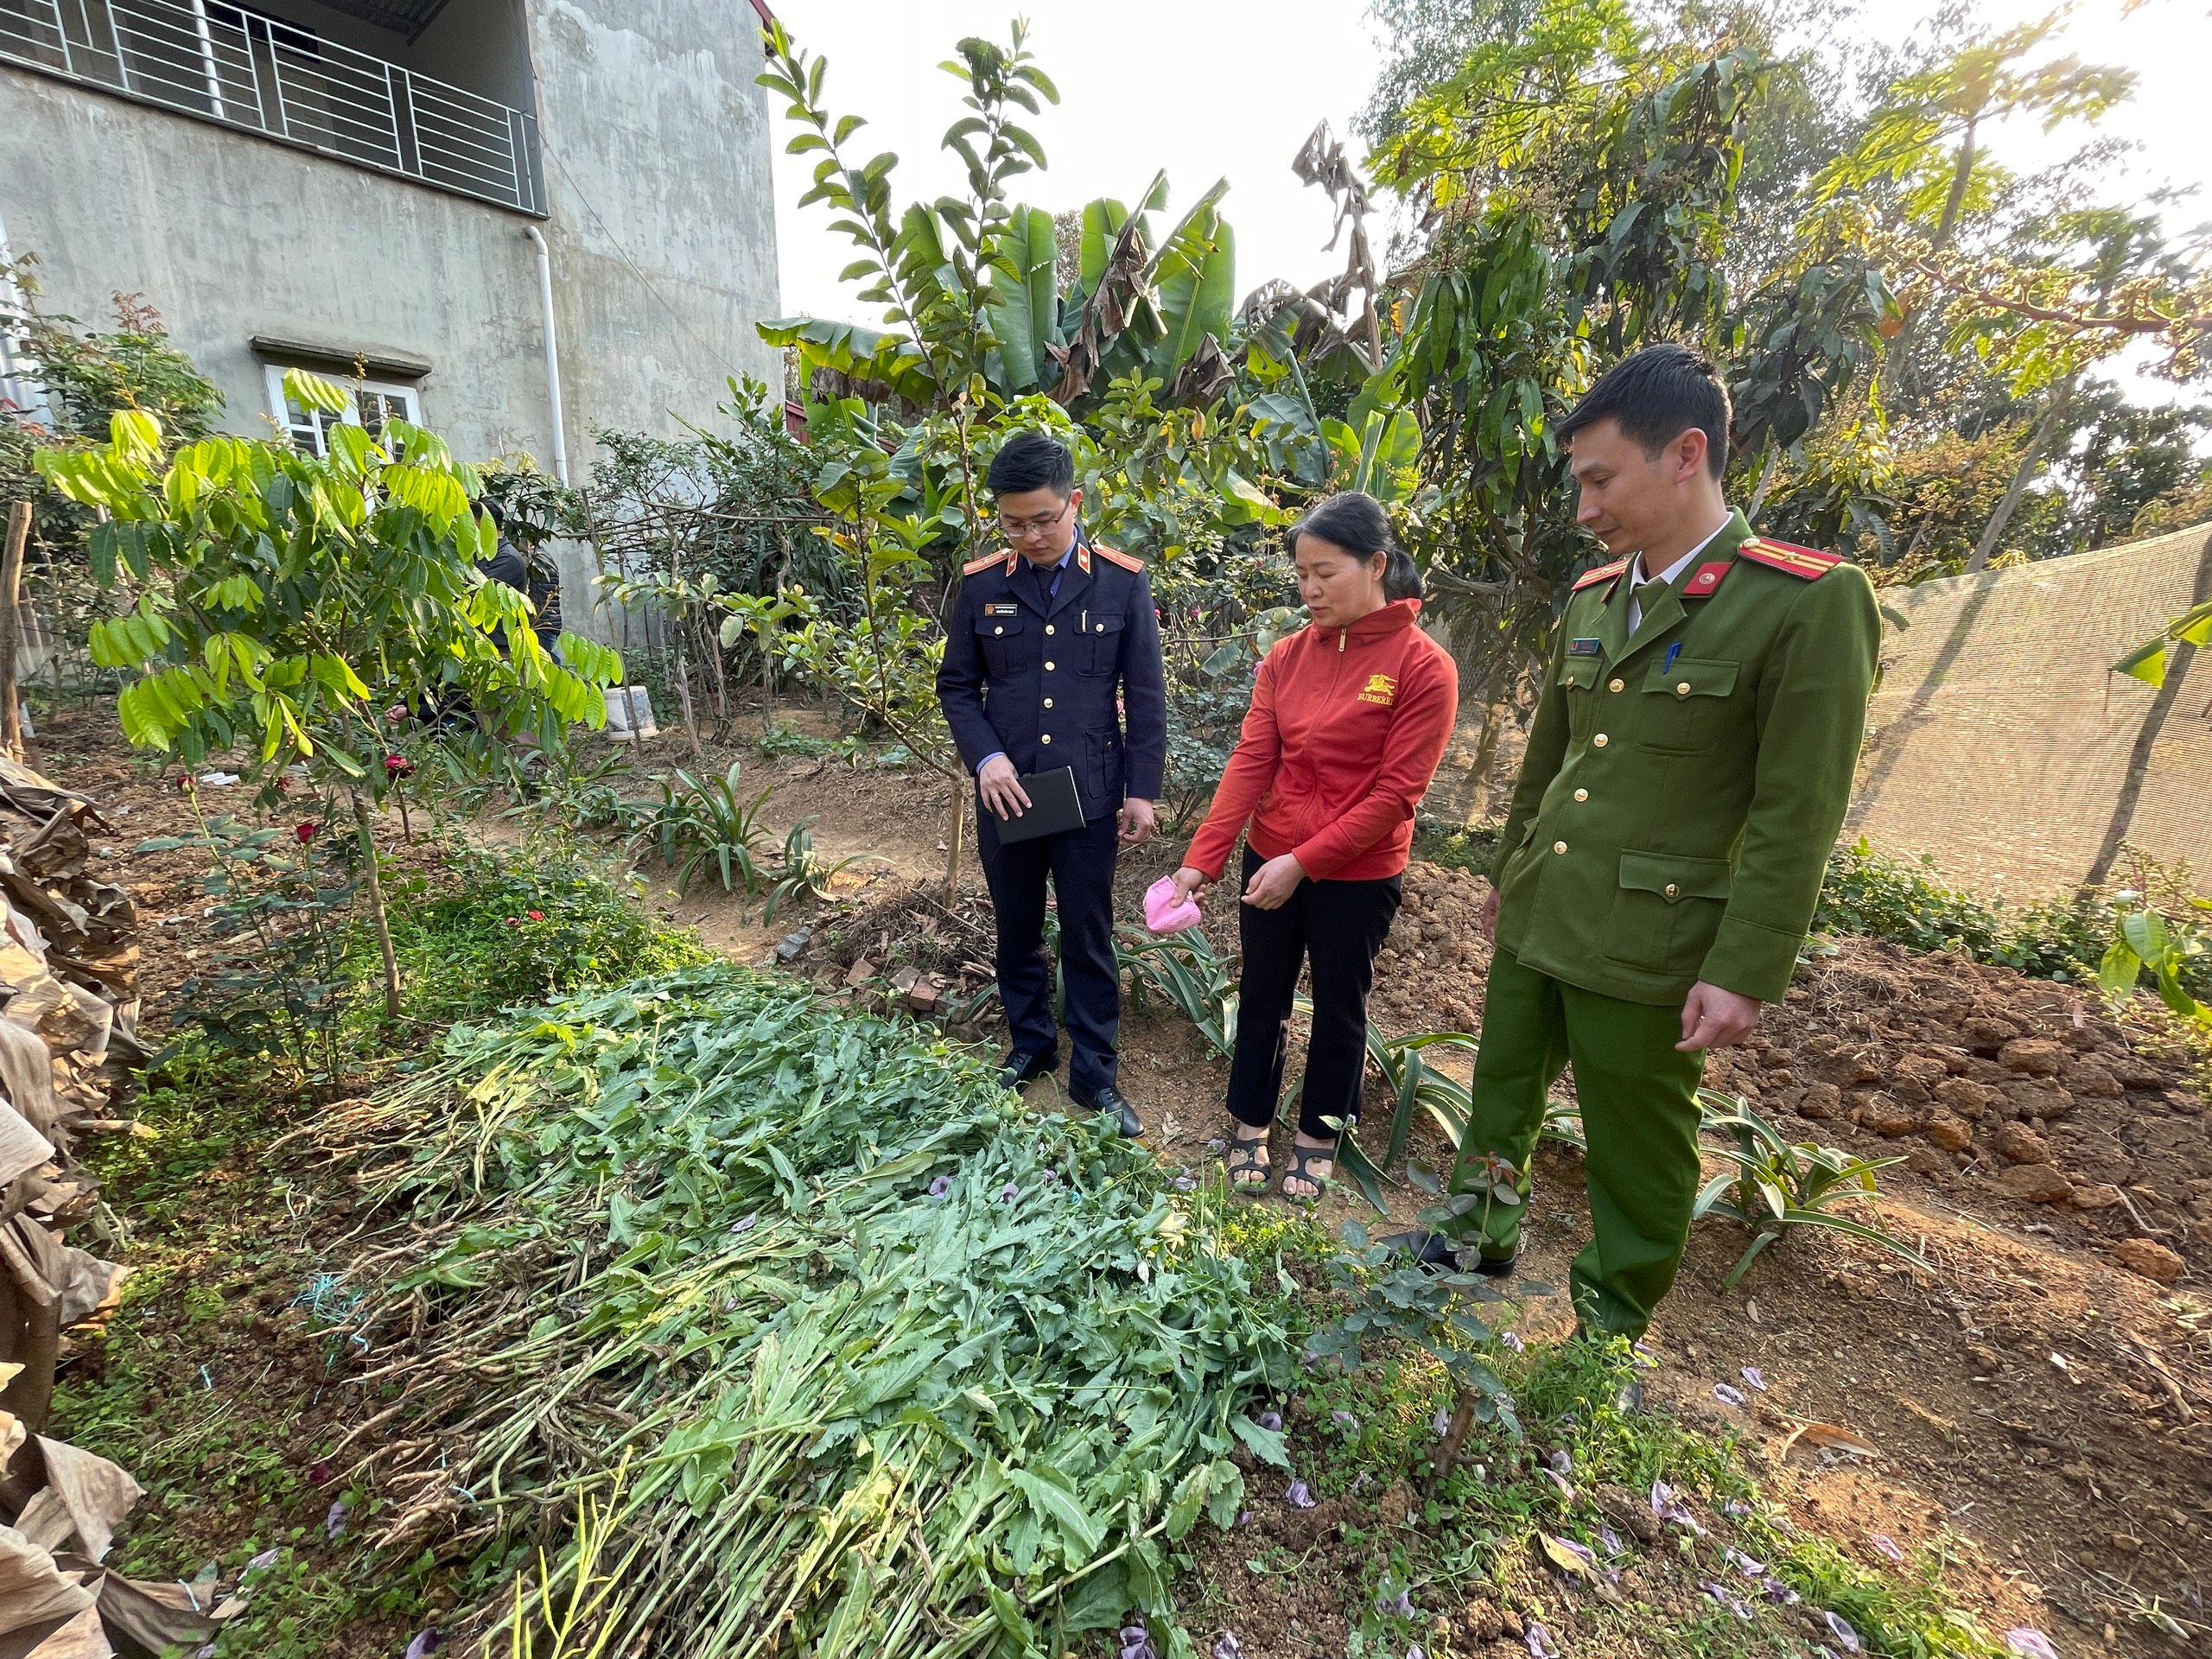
column 1019, row 527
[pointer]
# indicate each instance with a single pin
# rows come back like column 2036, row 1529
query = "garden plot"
column 791, row 1332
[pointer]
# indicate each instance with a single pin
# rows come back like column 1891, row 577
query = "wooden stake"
column 11, row 588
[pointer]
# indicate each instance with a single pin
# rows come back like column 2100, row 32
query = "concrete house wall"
column 659, row 219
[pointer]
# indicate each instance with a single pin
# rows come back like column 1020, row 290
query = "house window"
column 374, row 402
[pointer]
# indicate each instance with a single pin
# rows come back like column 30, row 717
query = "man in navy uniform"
column 1052, row 659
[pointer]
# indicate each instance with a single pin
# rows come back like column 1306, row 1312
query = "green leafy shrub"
column 1901, row 901
column 1456, row 846
column 523, row 931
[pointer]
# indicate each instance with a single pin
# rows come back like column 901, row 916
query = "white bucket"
column 630, row 713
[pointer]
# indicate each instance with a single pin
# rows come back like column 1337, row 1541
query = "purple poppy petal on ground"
column 1217, row 1146
column 745, row 1226
column 2030, row 1644
column 1364, row 1481
column 424, row 1644
column 1227, row 1647
column 1743, row 1564
column 1052, row 1178
column 1777, row 1591
column 1402, row 1603
column 267, row 1559
column 1611, row 1540
column 333, row 1521
column 1643, row 1356
column 1886, row 1545
column 940, row 1187
column 1009, row 1192
column 1441, row 1423
column 1562, row 1462
column 1753, row 1378
column 1416, row 1651
column 1735, row 1507
column 1838, row 1627
column 1298, row 1496
column 1135, row 1630
column 1345, row 1419
column 1735, row 1605
column 1727, row 1395
column 1183, row 1184
column 1271, row 1421
column 1244, row 1518
column 1512, row 1340
column 1540, row 1643
column 1143, row 1650
column 1559, row 1480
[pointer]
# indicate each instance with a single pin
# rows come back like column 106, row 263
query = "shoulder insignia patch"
column 1112, row 555
column 976, row 567
column 1603, row 573
column 1806, row 564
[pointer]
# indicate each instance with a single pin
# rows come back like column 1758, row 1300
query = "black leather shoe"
column 1436, row 1251
column 1019, row 1068
column 1113, row 1102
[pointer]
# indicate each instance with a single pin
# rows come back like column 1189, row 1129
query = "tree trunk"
column 953, row 842
column 11, row 588
column 377, row 914
column 2023, row 475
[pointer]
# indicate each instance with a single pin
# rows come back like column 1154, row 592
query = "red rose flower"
column 535, row 915
column 399, row 765
column 307, row 831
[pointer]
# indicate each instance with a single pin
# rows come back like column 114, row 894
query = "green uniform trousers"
column 1639, row 1099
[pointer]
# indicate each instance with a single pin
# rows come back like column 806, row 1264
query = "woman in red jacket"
column 1347, row 724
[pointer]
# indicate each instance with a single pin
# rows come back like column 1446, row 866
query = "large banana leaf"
column 860, row 353
column 1195, row 276
column 1024, row 312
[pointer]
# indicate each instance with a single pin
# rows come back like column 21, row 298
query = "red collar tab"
column 1083, row 558
column 1603, row 573
column 1705, row 579
column 1012, row 560
column 1806, row 564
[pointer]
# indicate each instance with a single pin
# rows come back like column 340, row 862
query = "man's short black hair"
column 1656, row 395
column 1033, row 460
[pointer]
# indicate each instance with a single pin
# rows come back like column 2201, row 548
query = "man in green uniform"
column 1686, row 773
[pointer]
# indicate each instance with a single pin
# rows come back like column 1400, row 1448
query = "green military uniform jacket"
column 1682, row 789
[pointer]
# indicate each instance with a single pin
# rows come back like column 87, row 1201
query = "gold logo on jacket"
column 1380, row 689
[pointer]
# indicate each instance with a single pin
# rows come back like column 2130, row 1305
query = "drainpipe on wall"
column 552, row 350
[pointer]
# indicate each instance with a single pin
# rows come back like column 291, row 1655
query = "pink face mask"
column 1162, row 914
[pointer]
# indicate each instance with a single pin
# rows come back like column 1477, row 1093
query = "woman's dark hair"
column 1356, row 522
column 1031, row 460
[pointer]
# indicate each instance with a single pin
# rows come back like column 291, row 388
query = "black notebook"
column 1053, row 807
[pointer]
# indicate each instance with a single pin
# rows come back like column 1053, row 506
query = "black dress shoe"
column 1113, row 1102
column 1439, row 1251
column 1019, row 1068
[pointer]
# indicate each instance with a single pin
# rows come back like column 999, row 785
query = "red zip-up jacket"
column 1346, row 729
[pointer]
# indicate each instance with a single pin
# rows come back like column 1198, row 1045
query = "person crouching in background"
column 1348, row 721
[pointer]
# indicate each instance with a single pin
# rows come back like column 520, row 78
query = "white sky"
column 1230, row 88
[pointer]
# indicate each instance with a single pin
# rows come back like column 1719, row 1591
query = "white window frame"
column 308, row 429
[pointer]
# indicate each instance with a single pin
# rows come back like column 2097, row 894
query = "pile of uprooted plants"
column 779, row 1329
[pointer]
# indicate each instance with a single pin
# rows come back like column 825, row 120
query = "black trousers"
column 1080, row 864
column 1337, row 927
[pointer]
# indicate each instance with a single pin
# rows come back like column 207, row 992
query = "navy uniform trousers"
column 1080, row 864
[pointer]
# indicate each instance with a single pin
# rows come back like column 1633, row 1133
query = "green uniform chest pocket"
column 1667, row 910
column 1101, row 651
column 1686, row 705
column 1577, row 678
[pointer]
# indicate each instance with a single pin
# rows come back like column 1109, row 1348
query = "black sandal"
column 1302, row 1160
column 1247, row 1155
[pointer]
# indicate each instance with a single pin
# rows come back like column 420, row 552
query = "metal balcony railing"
column 238, row 67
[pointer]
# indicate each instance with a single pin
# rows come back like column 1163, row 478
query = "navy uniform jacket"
column 1078, row 684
